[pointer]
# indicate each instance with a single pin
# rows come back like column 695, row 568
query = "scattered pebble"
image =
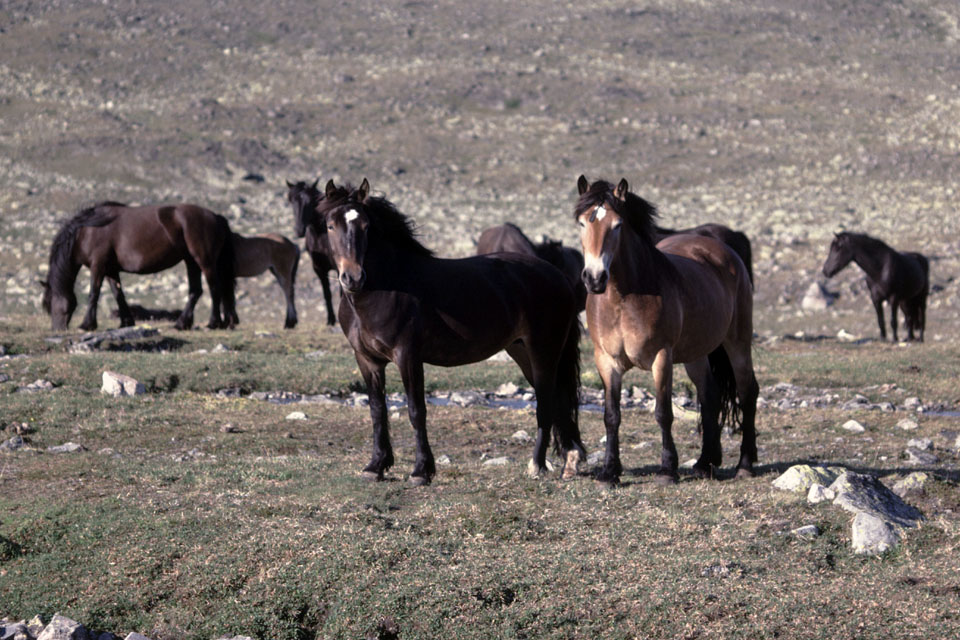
column 296, row 415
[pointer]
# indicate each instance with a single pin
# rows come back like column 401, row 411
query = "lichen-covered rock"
column 801, row 477
column 63, row 628
column 862, row 493
column 819, row 493
column 911, row 484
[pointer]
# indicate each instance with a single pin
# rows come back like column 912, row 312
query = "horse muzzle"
column 352, row 283
column 595, row 283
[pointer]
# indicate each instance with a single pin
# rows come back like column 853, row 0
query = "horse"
column 402, row 304
column 255, row 254
column 736, row 240
column 304, row 199
column 509, row 237
column 900, row 279
column 109, row 238
column 686, row 299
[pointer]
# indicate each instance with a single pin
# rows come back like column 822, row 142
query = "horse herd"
column 654, row 297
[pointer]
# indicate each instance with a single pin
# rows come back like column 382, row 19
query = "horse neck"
column 390, row 266
column 639, row 266
column 870, row 255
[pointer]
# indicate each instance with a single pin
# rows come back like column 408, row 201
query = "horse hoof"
column 570, row 467
column 419, row 481
column 534, row 471
column 371, row 476
column 666, row 479
column 706, row 472
column 744, row 472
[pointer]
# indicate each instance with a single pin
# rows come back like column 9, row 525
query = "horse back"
column 505, row 238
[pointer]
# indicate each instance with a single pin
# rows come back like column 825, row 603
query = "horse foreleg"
column 878, row 306
column 194, row 275
column 382, row 458
column 411, row 371
column 663, row 383
column 747, row 393
column 216, row 299
column 612, row 380
column 327, row 296
column 126, row 316
column 708, row 396
column 96, row 281
column 286, row 285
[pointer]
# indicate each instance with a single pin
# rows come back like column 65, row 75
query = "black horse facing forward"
column 304, row 199
column 402, row 304
column 902, row 279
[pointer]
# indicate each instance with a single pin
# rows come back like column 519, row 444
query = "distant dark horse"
column 685, row 299
column 401, row 304
column 255, row 254
column 109, row 238
column 304, row 198
column 902, row 279
column 509, row 237
column 736, row 240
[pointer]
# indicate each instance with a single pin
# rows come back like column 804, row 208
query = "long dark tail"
column 566, row 434
column 745, row 251
column 730, row 410
column 226, row 273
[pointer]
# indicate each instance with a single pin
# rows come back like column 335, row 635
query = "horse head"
column 841, row 253
column 59, row 305
column 599, row 215
column 347, row 223
column 304, row 199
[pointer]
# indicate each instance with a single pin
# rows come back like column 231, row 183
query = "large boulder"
column 880, row 517
column 63, row 628
column 801, row 477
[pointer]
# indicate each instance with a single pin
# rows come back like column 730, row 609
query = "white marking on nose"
column 601, row 212
column 351, row 215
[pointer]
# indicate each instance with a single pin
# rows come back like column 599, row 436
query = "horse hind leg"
column 126, row 316
column 748, row 390
column 537, row 465
column 195, row 282
column 96, row 281
column 708, row 396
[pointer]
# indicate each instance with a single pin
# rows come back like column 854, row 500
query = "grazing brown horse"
column 509, row 237
column 304, row 199
column 256, row 254
column 684, row 300
column 902, row 279
column 402, row 304
column 736, row 240
column 109, row 238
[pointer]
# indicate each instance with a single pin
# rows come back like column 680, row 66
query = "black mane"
column 61, row 274
column 636, row 211
column 386, row 222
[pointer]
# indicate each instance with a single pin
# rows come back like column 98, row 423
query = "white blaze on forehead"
column 601, row 212
column 351, row 215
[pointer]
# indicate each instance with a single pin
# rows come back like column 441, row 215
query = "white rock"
column 296, row 415
column 816, row 298
column 907, row 424
column 443, row 459
column 923, row 444
column 496, row 462
column 853, row 426
column 807, row 532
column 62, row 628
column 688, row 464
column 507, row 389
column 521, row 436
column 801, row 477
column 117, row 385
column 67, row 447
column 872, row 535
column 913, row 402
column 819, row 493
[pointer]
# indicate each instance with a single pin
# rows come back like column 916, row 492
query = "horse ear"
column 315, row 183
column 582, row 184
column 43, row 284
column 620, row 193
column 330, row 189
column 289, row 184
column 363, row 190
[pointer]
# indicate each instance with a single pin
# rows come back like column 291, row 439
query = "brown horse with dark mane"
column 686, row 299
column 269, row 251
column 902, row 279
column 509, row 237
column 304, row 198
column 402, row 304
column 110, row 238
column 736, row 240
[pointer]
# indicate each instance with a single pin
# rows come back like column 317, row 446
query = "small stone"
column 911, row 484
column 521, row 436
column 136, row 636
column 12, row 444
column 443, row 459
column 496, row 462
column 118, row 385
column 220, row 348
column 807, row 532
column 819, row 493
column 917, row 456
column 229, row 428
column 853, row 426
column 67, row 447
column 466, row 398
column 816, row 298
column 907, row 424
column 872, row 535
column 843, row 336
column 596, row 457
column 296, row 415
column 912, row 402
column 13, row 630
column 689, row 464
column 507, row 389
column 924, row 444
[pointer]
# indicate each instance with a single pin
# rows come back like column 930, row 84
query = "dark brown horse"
column 736, row 240
column 902, row 279
column 402, row 304
column 684, row 300
column 304, row 199
column 110, row 238
column 509, row 237
column 255, row 254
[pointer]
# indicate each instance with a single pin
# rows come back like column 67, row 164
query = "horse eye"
column 582, row 224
